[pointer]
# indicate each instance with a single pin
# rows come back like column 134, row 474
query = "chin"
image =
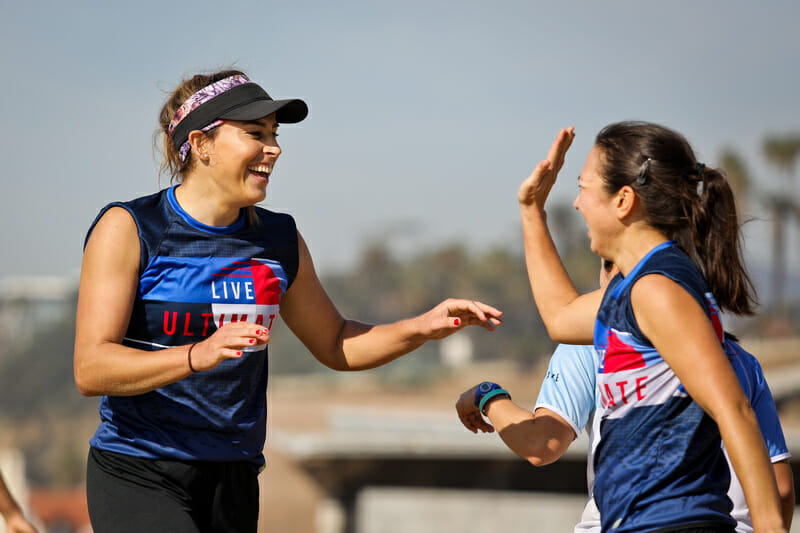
column 257, row 194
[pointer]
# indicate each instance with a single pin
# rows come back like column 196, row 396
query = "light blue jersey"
column 569, row 388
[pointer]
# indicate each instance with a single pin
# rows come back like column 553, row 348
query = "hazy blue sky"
column 425, row 115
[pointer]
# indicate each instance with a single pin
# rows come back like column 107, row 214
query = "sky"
column 425, row 116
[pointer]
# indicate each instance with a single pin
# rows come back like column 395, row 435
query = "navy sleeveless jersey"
column 194, row 279
column 659, row 462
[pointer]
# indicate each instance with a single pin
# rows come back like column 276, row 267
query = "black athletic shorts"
column 133, row 495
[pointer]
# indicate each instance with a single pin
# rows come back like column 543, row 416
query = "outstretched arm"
column 569, row 317
column 343, row 344
column 682, row 333
column 540, row 437
column 565, row 404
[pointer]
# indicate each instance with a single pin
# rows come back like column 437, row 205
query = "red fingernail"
column 252, row 341
column 238, row 353
column 457, row 321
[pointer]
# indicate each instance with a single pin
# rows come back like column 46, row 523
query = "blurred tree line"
column 384, row 287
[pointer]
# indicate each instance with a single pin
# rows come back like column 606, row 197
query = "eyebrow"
column 262, row 122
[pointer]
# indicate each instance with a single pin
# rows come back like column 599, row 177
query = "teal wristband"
column 492, row 394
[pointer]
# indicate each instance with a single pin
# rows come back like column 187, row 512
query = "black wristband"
column 189, row 358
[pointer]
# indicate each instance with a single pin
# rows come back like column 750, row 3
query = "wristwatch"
column 486, row 393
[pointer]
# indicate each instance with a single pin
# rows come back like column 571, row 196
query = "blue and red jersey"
column 659, row 463
column 194, row 279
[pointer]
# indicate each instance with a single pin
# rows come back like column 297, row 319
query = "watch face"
column 486, row 386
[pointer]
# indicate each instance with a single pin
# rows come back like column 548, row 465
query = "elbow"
column 541, row 458
column 560, row 332
column 333, row 359
column 537, row 453
column 86, row 386
column 337, row 364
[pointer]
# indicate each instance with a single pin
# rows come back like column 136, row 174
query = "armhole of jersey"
column 143, row 253
column 670, row 276
column 296, row 247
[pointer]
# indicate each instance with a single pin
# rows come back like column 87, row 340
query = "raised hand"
column 535, row 189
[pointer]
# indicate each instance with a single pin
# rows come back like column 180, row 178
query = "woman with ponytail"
column 179, row 292
column 669, row 393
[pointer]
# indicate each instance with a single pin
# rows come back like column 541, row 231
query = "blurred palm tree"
column 738, row 176
column 782, row 151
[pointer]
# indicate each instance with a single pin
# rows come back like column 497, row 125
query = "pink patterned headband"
column 199, row 98
column 232, row 98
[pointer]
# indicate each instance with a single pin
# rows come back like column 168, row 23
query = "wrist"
column 417, row 330
column 486, row 393
column 192, row 366
column 533, row 212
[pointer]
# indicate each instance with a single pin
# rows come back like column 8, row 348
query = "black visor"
column 243, row 102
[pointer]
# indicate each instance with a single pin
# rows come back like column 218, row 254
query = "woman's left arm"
column 682, row 333
column 343, row 344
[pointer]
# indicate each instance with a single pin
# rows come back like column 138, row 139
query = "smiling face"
column 595, row 204
column 241, row 157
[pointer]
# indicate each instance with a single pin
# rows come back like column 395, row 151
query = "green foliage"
column 783, row 151
column 383, row 288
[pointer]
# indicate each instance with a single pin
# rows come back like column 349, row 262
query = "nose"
column 575, row 203
column 272, row 149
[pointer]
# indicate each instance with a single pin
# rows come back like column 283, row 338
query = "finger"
column 469, row 425
column 467, row 421
column 482, row 425
column 485, row 325
column 230, row 353
column 488, row 310
column 457, row 307
column 563, row 142
column 251, row 337
column 556, row 154
column 542, row 169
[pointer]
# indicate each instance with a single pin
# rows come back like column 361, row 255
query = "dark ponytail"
column 718, row 243
column 684, row 200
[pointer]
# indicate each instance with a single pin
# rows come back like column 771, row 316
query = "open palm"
column 535, row 189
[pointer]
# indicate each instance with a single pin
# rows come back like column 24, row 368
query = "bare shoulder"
column 114, row 241
column 117, row 222
column 657, row 291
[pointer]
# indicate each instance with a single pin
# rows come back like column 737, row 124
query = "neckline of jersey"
column 219, row 230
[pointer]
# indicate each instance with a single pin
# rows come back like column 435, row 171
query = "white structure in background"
column 456, row 350
column 29, row 302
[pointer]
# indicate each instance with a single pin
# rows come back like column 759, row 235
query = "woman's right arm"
column 109, row 280
column 568, row 316
column 540, row 437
